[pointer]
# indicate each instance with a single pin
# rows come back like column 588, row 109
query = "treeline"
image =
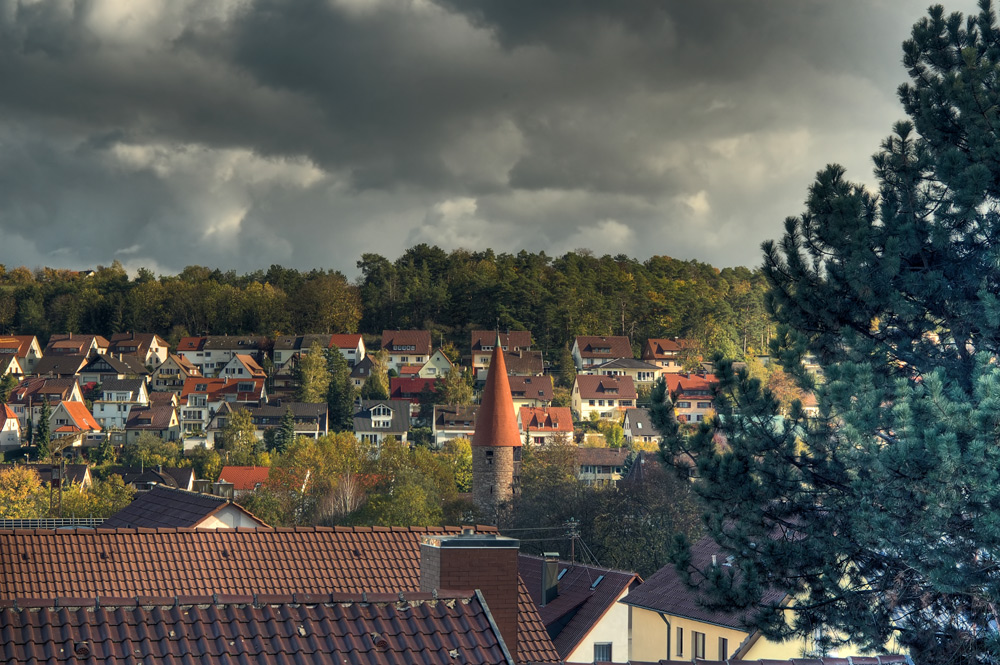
column 449, row 293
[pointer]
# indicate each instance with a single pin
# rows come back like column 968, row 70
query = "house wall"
column 613, row 629
column 650, row 640
column 10, row 435
column 228, row 518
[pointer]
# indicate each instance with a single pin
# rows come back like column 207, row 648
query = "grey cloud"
column 309, row 132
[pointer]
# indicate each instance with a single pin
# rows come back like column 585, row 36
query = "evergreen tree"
column 881, row 516
column 340, row 393
column 103, row 453
column 286, row 432
column 7, row 383
column 43, row 432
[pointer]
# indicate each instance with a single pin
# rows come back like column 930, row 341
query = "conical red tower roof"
column 496, row 424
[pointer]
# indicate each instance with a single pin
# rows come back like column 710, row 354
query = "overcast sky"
column 241, row 133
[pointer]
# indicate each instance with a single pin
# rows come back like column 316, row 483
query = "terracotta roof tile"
column 546, row 418
column 531, row 387
column 176, row 562
column 591, row 346
column 324, row 629
column 244, row 477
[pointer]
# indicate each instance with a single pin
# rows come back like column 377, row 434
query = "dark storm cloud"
column 241, row 134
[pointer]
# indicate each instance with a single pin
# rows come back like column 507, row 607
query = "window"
column 624, row 402
column 723, row 648
column 683, row 405
column 680, row 641
column 704, row 405
column 698, row 644
column 592, row 403
column 602, row 652
column 600, row 402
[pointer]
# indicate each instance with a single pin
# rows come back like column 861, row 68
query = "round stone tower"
column 496, row 445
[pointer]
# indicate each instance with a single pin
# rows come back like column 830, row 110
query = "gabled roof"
column 531, row 387
column 409, row 388
column 301, row 342
column 346, row 341
column 33, row 388
column 452, row 416
column 234, row 342
column 7, row 413
column 680, row 384
column 326, row 629
column 665, row 591
column 497, row 424
column 136, row 344
column 601, row 456
column 420, row 340
column 154, row 417
column 546, row 418
column 74, row 343
column 217, row 389
column 183, row 363
column 244, row 477
column 252, row 365
column 627, row 363
column 511, row 340
column 586, row 593
column 301, row 410
column 593, row 386
column 19, row 345
column 119, row 364
column 592, row 346
column 190, row 344
column 114, row 385
column 174, row 562
column 524, row 362
column 7, row 360
column 72, row 473
column 169, row 476
column 158, row 398
column 400, row 419
column 663, row 349
column 59, row 365
column 165, row 506
column 363, row 369
column 639, row 421
column 83, row 420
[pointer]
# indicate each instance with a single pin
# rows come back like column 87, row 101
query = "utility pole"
column 572, row 532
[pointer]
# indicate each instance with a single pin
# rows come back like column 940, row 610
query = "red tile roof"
column 216, row 389
column 605, row 387
column 347, row 341
column 662, row 349
column 191, row 344
column 83, row 420
column 690, row 384
column 586, row 593
column 327, row 629
column 497, row 424
column 21, row 344
column 6, row 414
column 142, row 342
column 401, row 387
column 591, row 346
column 244, row 477
column 547, row 419
column 252, row 365
column 173, row 562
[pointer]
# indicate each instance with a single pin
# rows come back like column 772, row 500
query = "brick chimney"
column 483, row 561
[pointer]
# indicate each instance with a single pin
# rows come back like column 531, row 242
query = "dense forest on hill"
column 449, row 293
